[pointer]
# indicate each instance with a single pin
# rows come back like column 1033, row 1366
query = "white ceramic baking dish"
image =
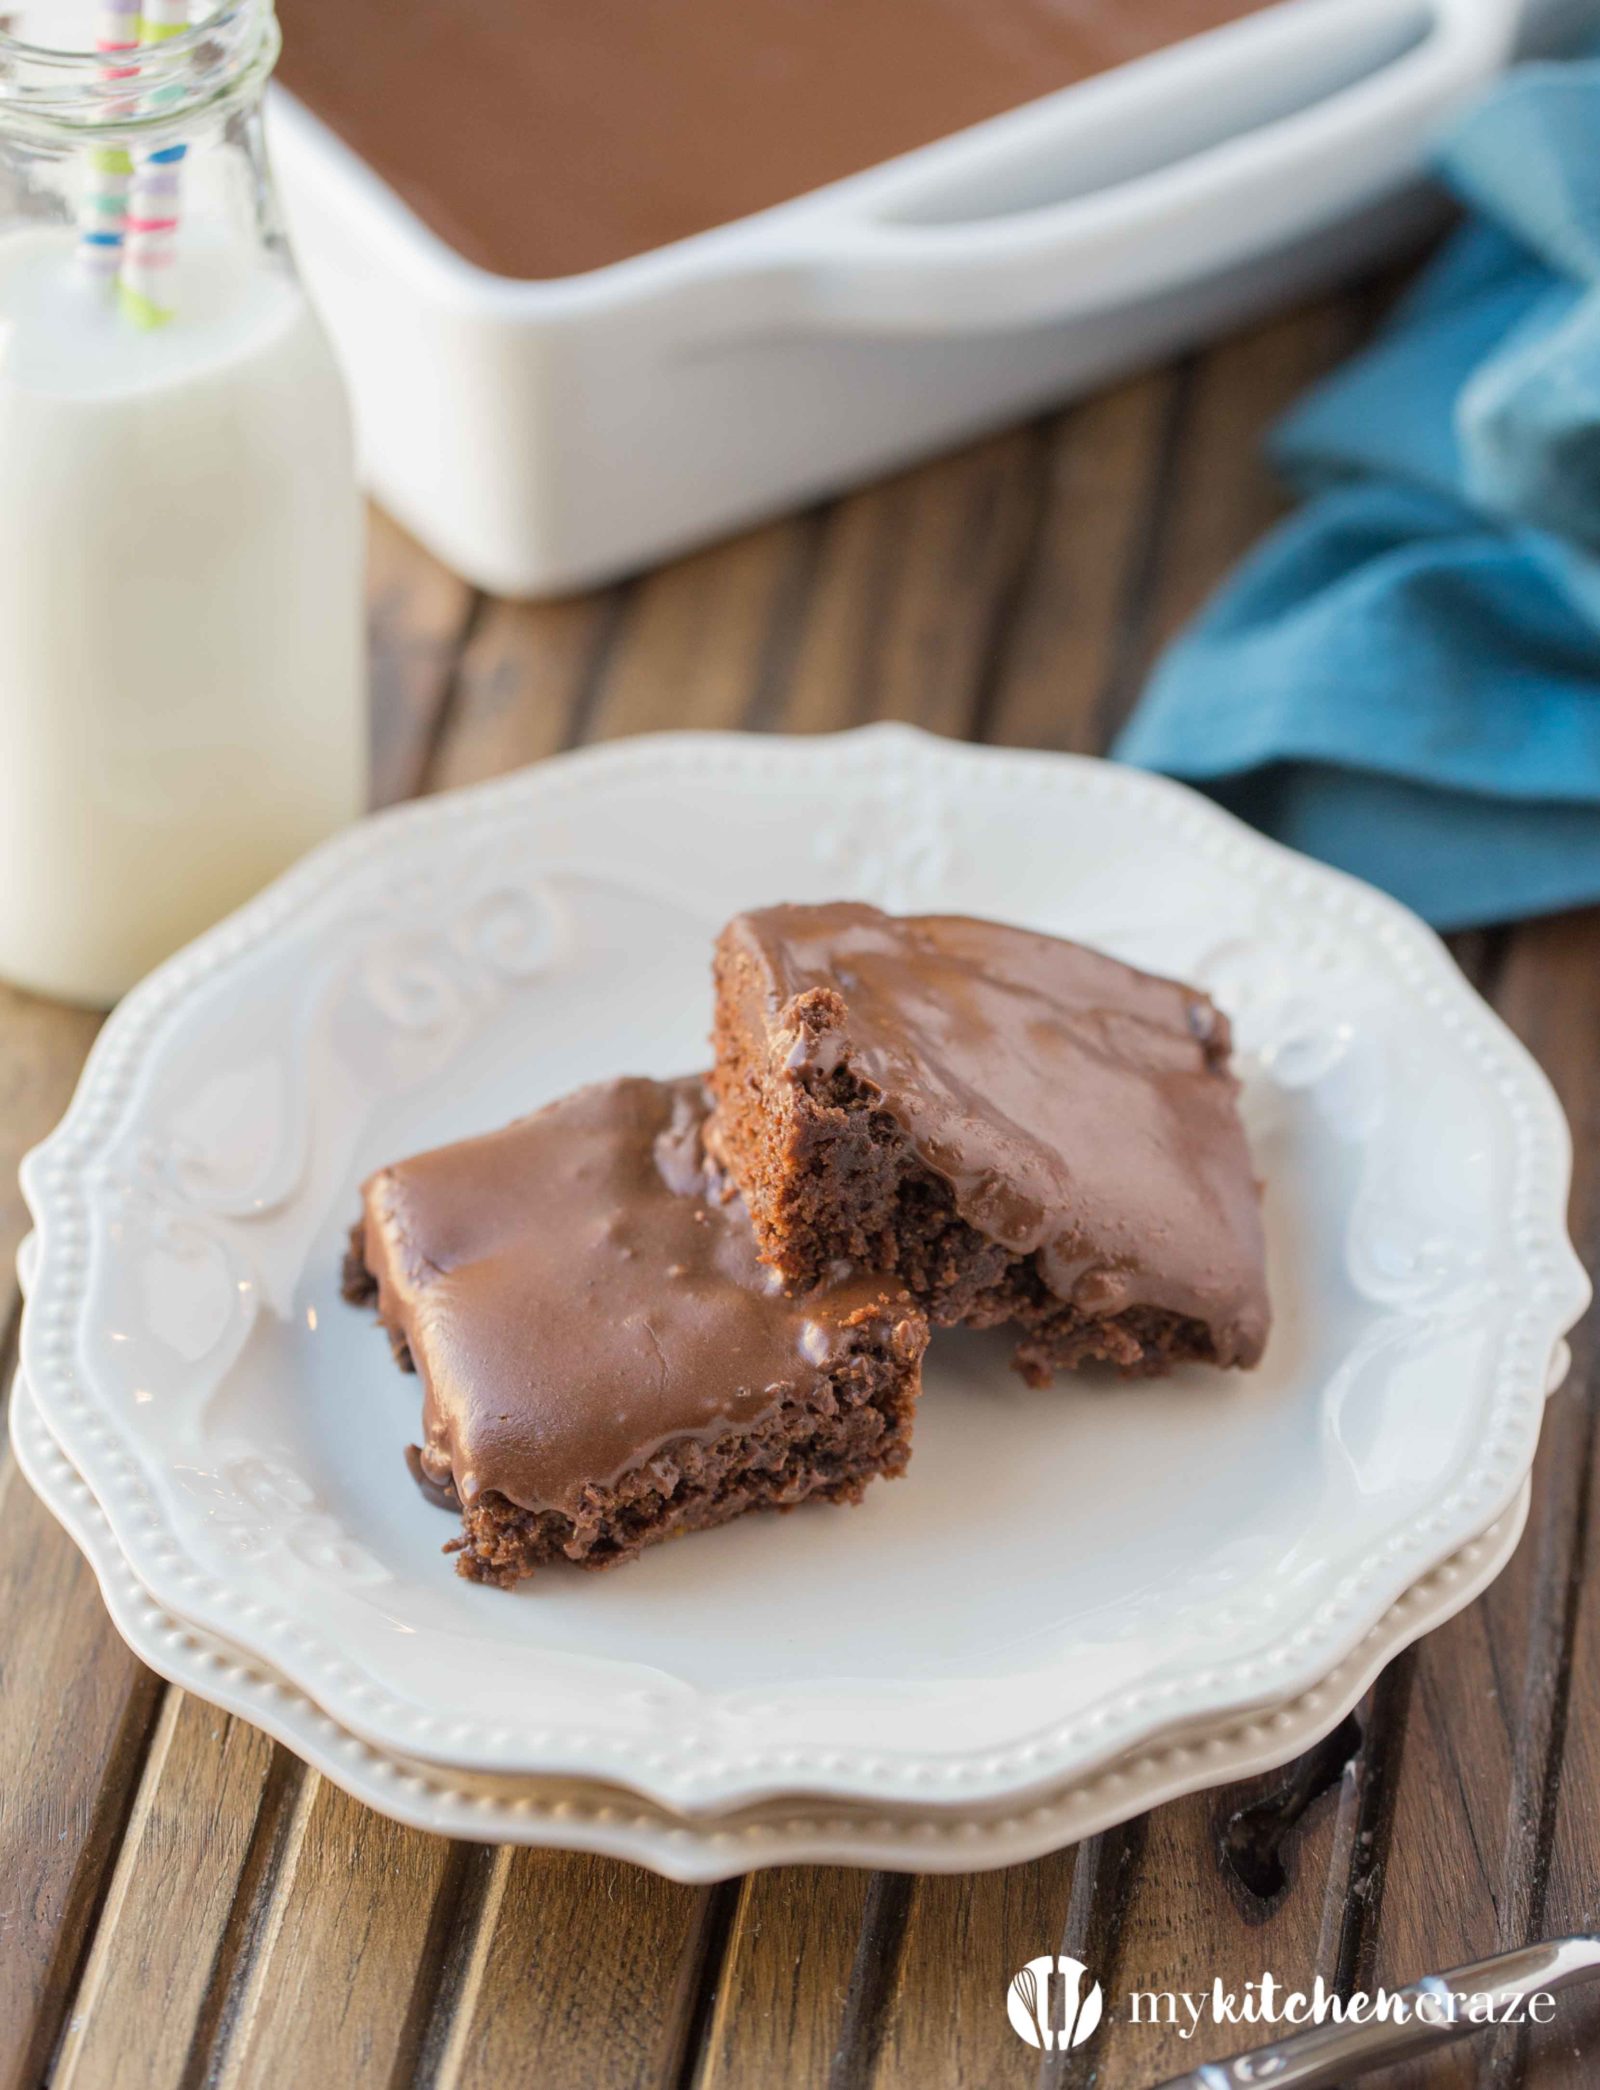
column 540, row 436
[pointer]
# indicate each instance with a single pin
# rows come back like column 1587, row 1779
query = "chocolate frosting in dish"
column 578, row 1290
column 1076, row 1108
column 545, row 137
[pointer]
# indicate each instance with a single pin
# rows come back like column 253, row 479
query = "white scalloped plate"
column 574, row 1816
column 1063, row 1576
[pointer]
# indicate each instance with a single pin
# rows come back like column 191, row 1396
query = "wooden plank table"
column 184, row 1903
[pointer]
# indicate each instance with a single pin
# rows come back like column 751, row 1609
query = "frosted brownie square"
column 1017, row 1128
column 604, row 1362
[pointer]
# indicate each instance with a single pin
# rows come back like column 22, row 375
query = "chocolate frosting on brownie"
column 578, row 1290
column 1076, row 1108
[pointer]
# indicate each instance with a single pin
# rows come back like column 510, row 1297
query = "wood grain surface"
column 183, row 1904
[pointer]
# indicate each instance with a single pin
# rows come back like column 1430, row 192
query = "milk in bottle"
column 182, row 691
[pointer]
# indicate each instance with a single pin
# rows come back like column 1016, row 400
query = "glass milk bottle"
column 182, row 683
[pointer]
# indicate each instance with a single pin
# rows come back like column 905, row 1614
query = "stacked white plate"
column 1079, row 1601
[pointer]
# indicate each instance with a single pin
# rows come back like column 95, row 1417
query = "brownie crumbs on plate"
column 604, row 1361
column 1019, row 1129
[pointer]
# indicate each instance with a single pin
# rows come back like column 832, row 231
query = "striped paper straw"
column 103, row 211
column 150, row 249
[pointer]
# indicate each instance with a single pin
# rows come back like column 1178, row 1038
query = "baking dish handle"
column 1123, row 239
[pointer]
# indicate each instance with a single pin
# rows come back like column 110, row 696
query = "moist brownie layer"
column 604, row 1361
column 1020, row 1129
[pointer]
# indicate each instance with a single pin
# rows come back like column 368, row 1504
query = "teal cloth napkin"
column 1404, row 678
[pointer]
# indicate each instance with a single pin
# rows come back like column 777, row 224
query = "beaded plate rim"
column 610, row 1822
column 697, row 1771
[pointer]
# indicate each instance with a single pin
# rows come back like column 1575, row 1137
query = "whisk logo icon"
column 1054, row 2003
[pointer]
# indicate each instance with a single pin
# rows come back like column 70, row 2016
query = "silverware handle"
column 1433, row 2014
